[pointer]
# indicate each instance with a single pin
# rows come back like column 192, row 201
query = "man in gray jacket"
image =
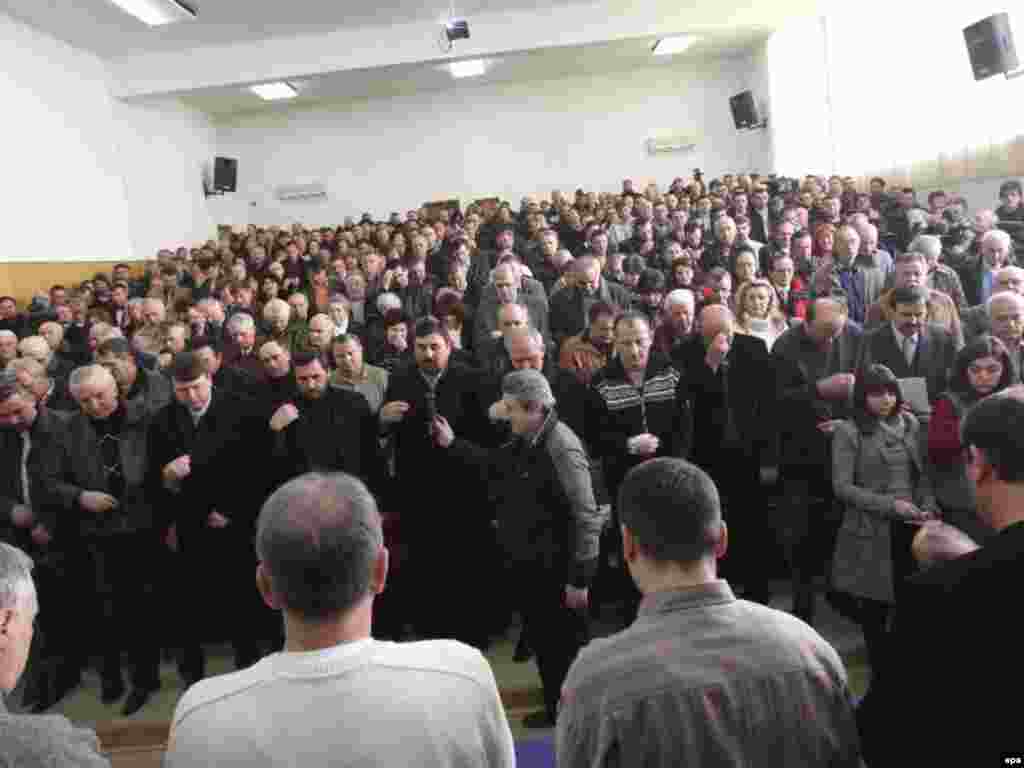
column 31, row 740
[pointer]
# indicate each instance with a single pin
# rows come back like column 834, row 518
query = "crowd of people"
column 580, row 404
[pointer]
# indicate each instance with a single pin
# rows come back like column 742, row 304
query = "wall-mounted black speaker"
column 744, row 111
column 990, row 46
column 225, row 174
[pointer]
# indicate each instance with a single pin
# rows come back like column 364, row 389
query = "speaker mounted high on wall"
column 225, row 174
column 744, row 111
column 990, row 46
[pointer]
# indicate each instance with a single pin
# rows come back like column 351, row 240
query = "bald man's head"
column 714, row 320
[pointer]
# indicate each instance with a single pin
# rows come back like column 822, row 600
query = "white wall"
column 88, row 178
column 507, row 139
column 759, row 144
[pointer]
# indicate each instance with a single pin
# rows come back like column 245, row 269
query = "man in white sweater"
column 335, row 696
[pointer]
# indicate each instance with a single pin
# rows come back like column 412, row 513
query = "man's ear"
column 722, row 544
column 266, row 588
column 380, row 571
column 630, row 548
column 979, row 465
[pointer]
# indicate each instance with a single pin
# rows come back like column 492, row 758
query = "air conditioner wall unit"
column 671, row 144
column 301, row 192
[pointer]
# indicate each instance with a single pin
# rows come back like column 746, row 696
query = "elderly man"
column 37, row 348
column 508, row 286
column 976, row 319
column 549, row 525
column 940, row 277
column 352, row 372
column 570, row 307
column 721, row 253
column 491, row 355
column 319, row 339
column 204, row 448
column 46, row 390
column 243, row 352
column 322, row 565
column 30, row 740
column 861, row 285
column 814, row 377
column 1006, row 317
column 416, row 396
column 154, row 313
column 699, row 656
column 97, row 477
column 133, row 383
column 912, row 272
column 8, row 347
column 732, row 429
column 277, row 315
column 279, row 378
column 951, row 615
column 978, row 277
column 340, row 312
column 678, row 312
column 870, row 255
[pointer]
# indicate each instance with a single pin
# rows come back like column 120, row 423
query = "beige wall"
column 23, row 279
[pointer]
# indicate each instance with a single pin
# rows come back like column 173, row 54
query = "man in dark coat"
column 814, row 364
column 202, row 451
column 725, row 377
column 97, row 476
column 439, row 537
column 324, row 429
column 225, row 378
column 954, row 616
column 26, row 431
column 152, row 388
column 569, row 308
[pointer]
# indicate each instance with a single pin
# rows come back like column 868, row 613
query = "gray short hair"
column 996, row 234
column 87, row 374
column 1005, row 296
column 318, row 537
column 680, row 296
column 15, row 576
column 387, row 301
column 929, row 245
column 241, row 321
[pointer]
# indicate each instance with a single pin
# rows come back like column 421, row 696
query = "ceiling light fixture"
column 669, row 45
column 274, row 91
column 157, row 13
column 470, row 68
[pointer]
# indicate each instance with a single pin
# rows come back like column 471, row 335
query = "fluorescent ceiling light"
column 156, row 13
column 669, row 45
column 471, row 68
column 274, row 91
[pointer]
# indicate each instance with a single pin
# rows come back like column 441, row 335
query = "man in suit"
column 814, row 364
column 978, row 277
column 492, row 356
column 210, row 352
column 441, row 539
column 97, row 476
column 910, row 346
column 861, row 285
column 202, row 451
column 570, row 307
column 725, row 375
column 953, row 679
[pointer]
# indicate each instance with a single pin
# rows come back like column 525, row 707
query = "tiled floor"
column 83, row 705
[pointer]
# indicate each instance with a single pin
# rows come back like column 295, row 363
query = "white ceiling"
column 524, row 66
column 99, row 26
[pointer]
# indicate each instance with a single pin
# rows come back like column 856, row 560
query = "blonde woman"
column 757, row 311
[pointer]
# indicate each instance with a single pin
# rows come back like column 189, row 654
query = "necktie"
column 908, row 349
column 26, row 446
